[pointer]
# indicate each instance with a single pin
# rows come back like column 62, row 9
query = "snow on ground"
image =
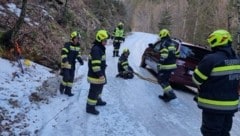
column 133, row 107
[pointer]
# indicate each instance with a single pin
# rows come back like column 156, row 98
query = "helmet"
column 229, row 36
column 27, row 62
column 75, row 34
column 126, row 50
column 102, row 35
column 219, row 38
column 120, row 24
column 164, row 33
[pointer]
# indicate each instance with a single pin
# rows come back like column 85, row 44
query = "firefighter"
column 118, row 38
column 70, row 52
column 96, row 72
column 124, row 70
column 167, row 64
column 217, row 76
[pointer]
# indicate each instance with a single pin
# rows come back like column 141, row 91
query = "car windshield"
column 158, row 45
column 192, row 53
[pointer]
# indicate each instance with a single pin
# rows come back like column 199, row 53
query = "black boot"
column 68, row 92
column 61, row 88
column 163, row 97
column 130, row 76
column 168, row 96
column 114, row 53
column 117, row 55
column 91, row 109
column 100, row 102
column 172, row 95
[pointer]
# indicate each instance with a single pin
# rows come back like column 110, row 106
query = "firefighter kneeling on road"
column 96, row 72
column 70, row 52
column 217, row 76
column 167, row 64
column 124, row 70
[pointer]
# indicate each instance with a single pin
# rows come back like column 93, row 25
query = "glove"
column 81, row 63
column 130, row 69
column 125, row 72
column 239, row 88
column 150, row 45
column 195, row 99
column 158, row 67
column 112, row 37
column 61, row 72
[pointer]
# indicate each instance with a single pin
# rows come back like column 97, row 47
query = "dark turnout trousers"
column 216, row 124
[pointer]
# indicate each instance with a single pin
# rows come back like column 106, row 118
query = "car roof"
column 196, row 45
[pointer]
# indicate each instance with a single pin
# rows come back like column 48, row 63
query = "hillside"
column 48, row 22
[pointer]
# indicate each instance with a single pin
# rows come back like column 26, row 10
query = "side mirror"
column 150, row 45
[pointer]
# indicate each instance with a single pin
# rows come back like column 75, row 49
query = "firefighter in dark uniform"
column 118, row 38
column 124, row 70
column 96, row 72
column 217, row 76
column 70, row 52
column 167, row 64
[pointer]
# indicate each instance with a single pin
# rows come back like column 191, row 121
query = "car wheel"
column 143, row 64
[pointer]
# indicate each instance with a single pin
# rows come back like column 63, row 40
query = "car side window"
column 193, row 53
column 157, row 46
column 185, row 52
column 176, row 44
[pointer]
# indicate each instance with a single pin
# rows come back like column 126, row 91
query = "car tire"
column 143, row 64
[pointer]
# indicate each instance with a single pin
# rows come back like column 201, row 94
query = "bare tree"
column 64, row 15
column 10, row 36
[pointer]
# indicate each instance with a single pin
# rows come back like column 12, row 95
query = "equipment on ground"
column 145, row 78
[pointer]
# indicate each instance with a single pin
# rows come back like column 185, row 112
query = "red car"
column 190, row 55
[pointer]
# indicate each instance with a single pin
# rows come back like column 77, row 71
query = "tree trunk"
column 196, row 22
column 19, row 22
column 10, row 36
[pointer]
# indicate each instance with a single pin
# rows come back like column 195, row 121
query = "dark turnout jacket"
column 70, row 53
column 123, row 64
column 168, row 54
column 97, row 64
column 218, row 75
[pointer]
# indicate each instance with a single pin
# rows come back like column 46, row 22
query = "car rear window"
column 192, row 52
column 158, row 45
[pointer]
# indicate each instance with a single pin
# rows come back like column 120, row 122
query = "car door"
column 190, row 56
column 153, row 56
